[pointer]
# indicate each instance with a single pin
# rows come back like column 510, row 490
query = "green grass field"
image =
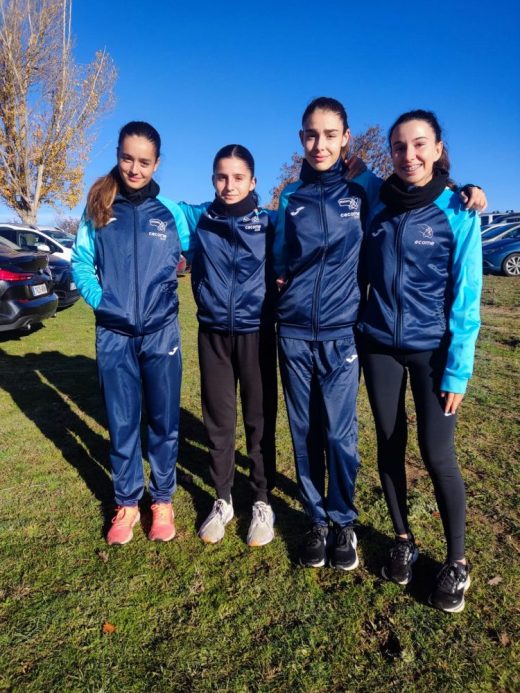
column 188, row 617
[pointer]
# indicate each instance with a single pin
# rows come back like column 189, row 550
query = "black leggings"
column 385, row 372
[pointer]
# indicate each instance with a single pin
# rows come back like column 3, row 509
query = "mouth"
column 411, row 169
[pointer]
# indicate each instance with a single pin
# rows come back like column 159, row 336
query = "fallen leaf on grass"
column 103, row 556
column 109, row 627
column 504, row 639
column 495, row 581
column 436, row 514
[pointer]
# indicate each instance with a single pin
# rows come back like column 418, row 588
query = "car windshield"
column 66, row 239
column 497, row 231
column 9, row 244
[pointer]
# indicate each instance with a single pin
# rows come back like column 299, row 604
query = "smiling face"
column 323, row 138
column 137, row 161
column 232, row 180
column 414, row 151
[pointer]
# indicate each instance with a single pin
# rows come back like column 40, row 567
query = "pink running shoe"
column 122, row 525
column 163, row 526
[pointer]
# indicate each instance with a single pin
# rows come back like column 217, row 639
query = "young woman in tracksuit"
column 424, row 266
column 124, row 264
column 233, row 284
column 320, row 226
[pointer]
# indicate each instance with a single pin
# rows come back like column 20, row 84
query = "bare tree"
column 48, row 105
column 369, row 145
column 67, row 223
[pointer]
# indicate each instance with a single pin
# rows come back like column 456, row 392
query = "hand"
column 355, row 167
column 452, row 402
column 475, row 199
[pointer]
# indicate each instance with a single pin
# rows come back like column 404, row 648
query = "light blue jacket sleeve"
column 464, row 318
column 371, row 184
column 84, row 263
column 279, row 248
column 180, row 220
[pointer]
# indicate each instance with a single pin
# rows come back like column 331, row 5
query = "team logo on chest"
column 252, row 224
column 352, row 204
column 427, row 235
column 160, row 227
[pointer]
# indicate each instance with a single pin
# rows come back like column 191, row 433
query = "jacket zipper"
column 317, row 285
column 137, row 316
column 398, row 322
column 233, row 279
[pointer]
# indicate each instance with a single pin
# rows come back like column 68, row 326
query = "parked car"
column 502, row 256
column 26, row 295
column 496, row 232
column 57, row 234
column 64, row 285
column 34, row 239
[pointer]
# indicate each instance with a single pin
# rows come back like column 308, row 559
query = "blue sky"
column 207, row 74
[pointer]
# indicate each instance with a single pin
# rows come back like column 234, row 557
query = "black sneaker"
column 452, row 581
column 313, row 552
column 398, row 567
column 343, row 553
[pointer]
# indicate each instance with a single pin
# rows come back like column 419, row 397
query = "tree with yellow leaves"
column 48, row 105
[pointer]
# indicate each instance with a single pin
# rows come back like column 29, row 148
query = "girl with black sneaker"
column 234, row 287
column 423, row 262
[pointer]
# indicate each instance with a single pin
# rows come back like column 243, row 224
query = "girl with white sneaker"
column 234, row 289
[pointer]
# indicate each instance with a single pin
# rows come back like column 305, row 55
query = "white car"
column 36, row 239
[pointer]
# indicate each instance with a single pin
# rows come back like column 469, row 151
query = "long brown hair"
column 102, row 194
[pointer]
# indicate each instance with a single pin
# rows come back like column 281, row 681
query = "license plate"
column 73, row 286
column 39, row 290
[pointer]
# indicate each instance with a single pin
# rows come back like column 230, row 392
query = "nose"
column 319, row 142
column 134, row 168
column 410, row 152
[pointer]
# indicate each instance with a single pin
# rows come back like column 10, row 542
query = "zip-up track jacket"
column 232, row 277
column 318, row 237
column 126, row 271
column 424, row 268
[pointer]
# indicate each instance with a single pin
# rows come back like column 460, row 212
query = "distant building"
column 495, row 217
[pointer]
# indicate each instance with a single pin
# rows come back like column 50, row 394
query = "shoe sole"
column 207, row 540
column 456, row 609
column 352, row 566
column 260, row 543
column 401, row 582
column 320, row 564
column 123, row 543
column 161, row 540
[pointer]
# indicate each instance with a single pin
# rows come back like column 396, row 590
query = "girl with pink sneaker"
column 124, row 263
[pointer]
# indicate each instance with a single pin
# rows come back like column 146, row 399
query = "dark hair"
column 140, row 129
column 235, row 151
column 102, row 194
column 443, row 164
column 326, row 103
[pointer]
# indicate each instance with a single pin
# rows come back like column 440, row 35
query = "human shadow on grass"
column 45, row 387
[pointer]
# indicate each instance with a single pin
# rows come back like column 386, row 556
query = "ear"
column 345, row 138
column 439, row 146
column 301, row 138
column 252, row 185
column 156, row 165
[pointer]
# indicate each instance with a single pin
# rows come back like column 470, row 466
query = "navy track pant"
column 386, row 373
column 130, row 369
column 320, row 381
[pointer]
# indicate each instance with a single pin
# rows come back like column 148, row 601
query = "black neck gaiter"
column 401, row 197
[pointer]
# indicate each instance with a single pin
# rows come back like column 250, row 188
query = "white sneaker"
column 214, row 526
column 261, row 530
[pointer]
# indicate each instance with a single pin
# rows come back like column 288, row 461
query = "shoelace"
column 402, row 551
column 218, row 508
column 162, row 510
column 120, row 514
column 317, row 533
column 344, row 536
column 260, row 512
column 450, row 577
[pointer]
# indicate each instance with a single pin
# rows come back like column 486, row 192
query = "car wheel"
column 511, row 265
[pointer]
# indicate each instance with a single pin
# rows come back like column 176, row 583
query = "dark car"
column 502, row 256
column 26, row 295
column 64, row 285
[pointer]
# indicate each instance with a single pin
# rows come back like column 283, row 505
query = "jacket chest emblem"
column 158, row 229
column 426, row 233
column 352, row 204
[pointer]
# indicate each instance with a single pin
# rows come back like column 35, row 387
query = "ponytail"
column 101, row 197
